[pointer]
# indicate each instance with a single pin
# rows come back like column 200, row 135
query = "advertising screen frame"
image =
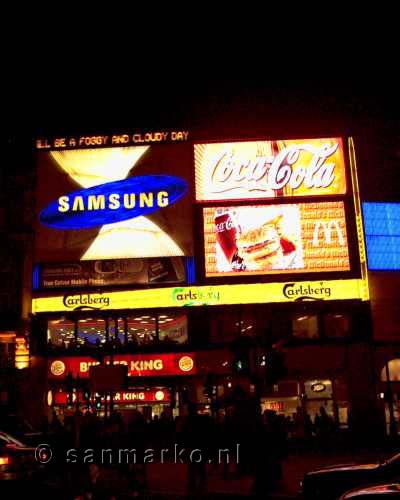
column 257, row 170
column 354, row 229
column 296, row 241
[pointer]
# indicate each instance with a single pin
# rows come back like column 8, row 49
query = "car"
column 16, row 459
column 329, row 483
column 20, row 429
column 378, row 492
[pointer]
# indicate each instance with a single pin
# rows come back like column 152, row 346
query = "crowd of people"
column 237, row 442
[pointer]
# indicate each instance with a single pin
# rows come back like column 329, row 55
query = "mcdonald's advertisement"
column 269, row 169
column 122, row 202
column 275, row 239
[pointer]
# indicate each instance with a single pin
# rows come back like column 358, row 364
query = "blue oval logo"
column 113, row 202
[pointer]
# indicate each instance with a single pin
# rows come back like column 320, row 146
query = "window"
column 142, row 329
column 172, row 328
column 305, row 327
column 336, row 325
column 224, row 325
column 60, row 332
column 92, row 331
column 119, row 323
column 138, row 329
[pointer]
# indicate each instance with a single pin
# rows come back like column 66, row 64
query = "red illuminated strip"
column 137, row 365
column 157, row 395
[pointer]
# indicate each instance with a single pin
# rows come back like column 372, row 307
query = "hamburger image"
column 260, row 248
column 264, row 246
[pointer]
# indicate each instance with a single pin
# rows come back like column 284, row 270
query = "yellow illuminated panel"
column 269, row 169
column 271, row 239
column 261, row 293
column 21, row 353
column 359, row 221
column 92, row 167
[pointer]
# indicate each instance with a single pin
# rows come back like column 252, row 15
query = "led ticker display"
column 271, row 239
column 114, row 203
column 382, row 234
column 269, row 169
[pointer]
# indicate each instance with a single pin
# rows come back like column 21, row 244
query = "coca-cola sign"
column 269, row 169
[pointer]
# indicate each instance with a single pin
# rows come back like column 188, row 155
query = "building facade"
column 206, row 269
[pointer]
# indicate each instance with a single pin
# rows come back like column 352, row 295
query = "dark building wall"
column 385, row 305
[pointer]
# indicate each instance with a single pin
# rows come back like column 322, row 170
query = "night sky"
column 363, row 103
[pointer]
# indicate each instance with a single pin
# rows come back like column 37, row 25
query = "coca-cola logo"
column 220, row 227
column 272, row 173
column 264, row 169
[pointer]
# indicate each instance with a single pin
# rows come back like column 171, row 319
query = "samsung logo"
column 113, row 202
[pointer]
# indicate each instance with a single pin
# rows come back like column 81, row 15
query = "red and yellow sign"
column 140, row 365
column 269, row 169
column 271, row 239
column 153, row 395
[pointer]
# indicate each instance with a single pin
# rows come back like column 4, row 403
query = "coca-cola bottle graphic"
column 225, row 230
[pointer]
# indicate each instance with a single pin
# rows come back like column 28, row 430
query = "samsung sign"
column 113, row 202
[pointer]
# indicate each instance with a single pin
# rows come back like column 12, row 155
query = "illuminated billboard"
column 114, row 203
column 272, row 239
column 269, row 169
column 99, row 273
column 138, row 365
column 148, row 395
column 382, row 233
column 215, row 295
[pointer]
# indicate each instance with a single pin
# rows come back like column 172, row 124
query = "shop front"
column 308, row 397
column 149, row 401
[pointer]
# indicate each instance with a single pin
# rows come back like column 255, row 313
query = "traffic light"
column 86, row 394
column 98, row 403
column 241, row 364
column 241, row 348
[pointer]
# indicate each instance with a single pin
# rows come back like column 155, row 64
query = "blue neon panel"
column 190, row 270
column 36, row 277
column 382, row 231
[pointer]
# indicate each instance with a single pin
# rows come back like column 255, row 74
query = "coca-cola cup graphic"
column 226, row 234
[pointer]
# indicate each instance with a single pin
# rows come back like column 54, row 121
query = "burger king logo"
column 57, row 368
column 159, row 395
column 186, row 363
